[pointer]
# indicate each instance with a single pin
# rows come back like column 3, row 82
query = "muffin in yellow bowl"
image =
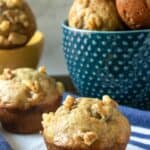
column 20, row 42
column 26, row 56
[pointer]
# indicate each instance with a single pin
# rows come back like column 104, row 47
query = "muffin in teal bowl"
column 116, row 63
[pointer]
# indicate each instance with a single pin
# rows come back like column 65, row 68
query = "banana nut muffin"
column 24, row 95
column 86, row 124
column 135, row 13
column 17, row 23
column 94, row 15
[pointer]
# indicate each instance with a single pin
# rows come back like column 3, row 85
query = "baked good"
column 94, row 15
column 24, row 95
column 135, row 13
column 17, row 23
column 86, row 124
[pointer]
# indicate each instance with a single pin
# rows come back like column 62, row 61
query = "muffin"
column 86, row 124
column 24, row 95
column 135, row 13
column 94, row 15
column 17, row 23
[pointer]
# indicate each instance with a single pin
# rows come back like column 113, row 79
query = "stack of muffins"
column 26, row 94
column 110, row 14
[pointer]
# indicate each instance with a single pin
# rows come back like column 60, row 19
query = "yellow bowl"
column 26, row 56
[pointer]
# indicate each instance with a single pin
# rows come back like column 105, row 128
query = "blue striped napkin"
column 140, row 121
column 4, row 145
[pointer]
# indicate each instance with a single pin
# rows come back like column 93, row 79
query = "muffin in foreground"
column 24, row 95
column 17, row 23
column 86, row 124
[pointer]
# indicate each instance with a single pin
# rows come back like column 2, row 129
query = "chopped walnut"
column 8, row 73
column 42, row 69
column 4, row 26
column 23, row 19
column 13, row 3
column 34, row 86
column 17, row 38
column 25, row 23
column 96, row 110
column 68, row 103
column 93, row 22
column 35, row 96
column 108, row 101
column 101, row 111
column 85, row 3
column 89, row 138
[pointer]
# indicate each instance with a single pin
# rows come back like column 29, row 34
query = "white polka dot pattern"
column 114, row 64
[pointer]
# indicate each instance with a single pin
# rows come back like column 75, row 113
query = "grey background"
column 50, row 14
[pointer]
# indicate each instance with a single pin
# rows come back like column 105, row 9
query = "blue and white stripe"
column 140, row 139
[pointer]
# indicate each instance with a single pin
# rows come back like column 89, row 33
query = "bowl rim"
column 65, row 26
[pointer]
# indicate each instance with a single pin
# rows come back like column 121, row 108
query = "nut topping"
column 34, row 86
column 4, row 26
column 68, row 103
column 42, row 69
column 89, row 138
column 108, row 101
column 8, row 73
column 13, row 3
column 16, row 38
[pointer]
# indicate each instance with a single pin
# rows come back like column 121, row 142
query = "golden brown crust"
column 25, row 121
column 24, row 95
column 135, row 13
column 17, row 23
column 86, row 124
column 94, row 15
column 25, row 87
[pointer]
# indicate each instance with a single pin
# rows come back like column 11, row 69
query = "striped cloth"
column 140, row 121
column 140, row 139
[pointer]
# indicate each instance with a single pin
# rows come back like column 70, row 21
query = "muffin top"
column 17, row 23
column 27, row 87
column 86, row 122
column 94, row 15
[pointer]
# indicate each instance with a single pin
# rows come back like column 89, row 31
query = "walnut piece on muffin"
column 94, row 15
column 17, row 23
column 86, row 124
column 135, row 13
column 25, row 94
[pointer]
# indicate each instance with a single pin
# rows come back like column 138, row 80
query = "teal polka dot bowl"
column 114, row 62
